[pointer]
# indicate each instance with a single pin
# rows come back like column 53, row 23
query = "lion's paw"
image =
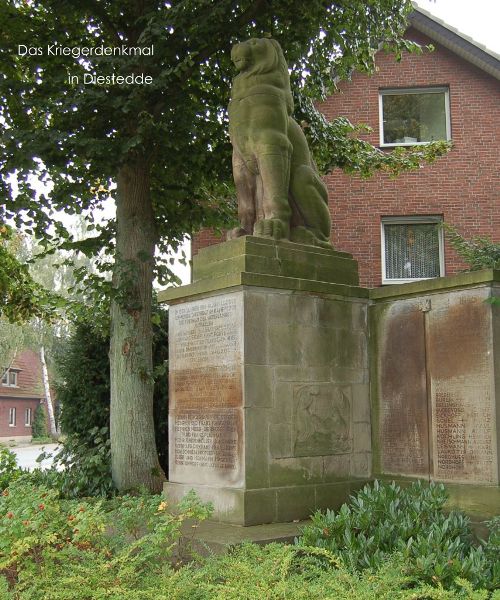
column 272, row 228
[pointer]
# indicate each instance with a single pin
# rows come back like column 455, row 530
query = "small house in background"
column 21, row 391
column 391, row 225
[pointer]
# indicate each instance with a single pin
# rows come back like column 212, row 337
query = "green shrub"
column 39, row 428
column 67, row 549
column 382, row 519
column 123, row 548
column 8, row 467
column 80, row 468
column 83, row 387
column 251, row 572
column 492, row 551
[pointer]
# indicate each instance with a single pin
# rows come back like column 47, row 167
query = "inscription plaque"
column 205, row 390
column 208, row 441
column 463, row 413
column 463, row 434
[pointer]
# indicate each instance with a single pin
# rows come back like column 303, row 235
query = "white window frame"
column 420, row 90
column 28, row 417
column 12, row 417
column 6, row 378
column 411, row 220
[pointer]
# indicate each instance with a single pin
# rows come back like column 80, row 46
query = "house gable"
column 460, row 188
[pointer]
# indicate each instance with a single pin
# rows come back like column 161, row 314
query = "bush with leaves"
column 478, row 252
column 384, row 518
column 39, row 428
column 83, row 390
column 54, row 548
column 276, row 572
column 125, row 548
column 8, row 467
column 80, row 468
column 82, row 387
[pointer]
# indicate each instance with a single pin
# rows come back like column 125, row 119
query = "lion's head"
column 258, row 56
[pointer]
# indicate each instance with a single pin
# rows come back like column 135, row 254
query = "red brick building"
column 21, row 391
column 390, row 225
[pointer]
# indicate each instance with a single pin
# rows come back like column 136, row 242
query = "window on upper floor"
column 412, row 249
column 9, row 378
column 12, row 417
column 414, row 116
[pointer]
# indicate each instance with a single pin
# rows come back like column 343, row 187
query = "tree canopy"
column 76, row 136
column 159, row 150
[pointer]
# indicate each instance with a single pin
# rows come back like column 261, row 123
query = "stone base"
column 269, row 414
column 270, row 505
column 250, row 254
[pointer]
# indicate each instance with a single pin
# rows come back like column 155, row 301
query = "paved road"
column 27, row 455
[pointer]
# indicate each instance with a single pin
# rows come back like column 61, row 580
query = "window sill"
column 408, row 144
column 412, row 280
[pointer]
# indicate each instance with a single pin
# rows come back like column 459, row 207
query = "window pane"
column 4, row 377
column 410, row 118
column 12, row 416
column 12, row 378
column 411, row 251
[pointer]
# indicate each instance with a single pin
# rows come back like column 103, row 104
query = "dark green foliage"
column 160, row 395
column 81, row 468
column 492, row 552
column 8, row 467
column 83, row 389
column 478, row 252
column 125, row 548
column 39, row 428
column 83, row 386
column 382, row 519
column 21, row 297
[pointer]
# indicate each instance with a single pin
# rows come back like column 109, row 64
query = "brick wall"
column 206, row 237
column 462, row 187
column 20, row 404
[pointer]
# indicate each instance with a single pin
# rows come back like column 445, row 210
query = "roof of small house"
column 456, row 41
column 28, row 366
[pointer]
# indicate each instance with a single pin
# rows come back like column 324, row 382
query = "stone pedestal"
column 269, row 409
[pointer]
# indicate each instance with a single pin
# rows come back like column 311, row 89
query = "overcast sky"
column 479, row 19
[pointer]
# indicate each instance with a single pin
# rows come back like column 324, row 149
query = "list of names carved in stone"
column 464, row 434
column 208, row 440
column 206, row 333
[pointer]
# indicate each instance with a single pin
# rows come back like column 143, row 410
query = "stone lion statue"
column 280, row 194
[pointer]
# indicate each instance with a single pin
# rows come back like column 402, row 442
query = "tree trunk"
column 48, row 395
column 134, row 460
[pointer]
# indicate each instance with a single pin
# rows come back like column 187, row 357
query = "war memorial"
column 290, row 385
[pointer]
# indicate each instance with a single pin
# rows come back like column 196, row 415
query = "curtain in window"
column 411, row 251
